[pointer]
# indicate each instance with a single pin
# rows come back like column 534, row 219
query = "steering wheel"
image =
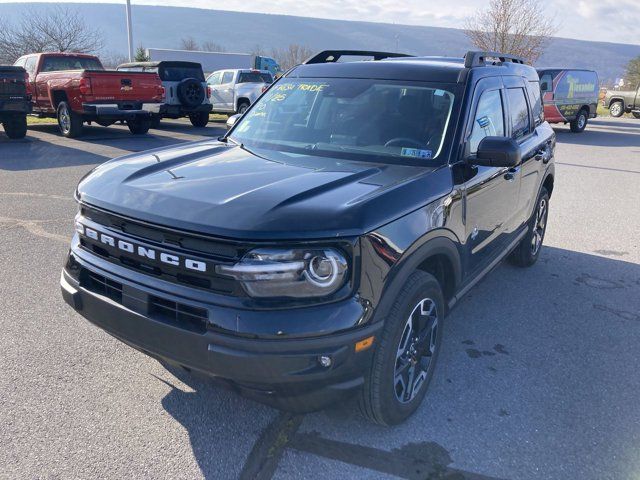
column 404, row 142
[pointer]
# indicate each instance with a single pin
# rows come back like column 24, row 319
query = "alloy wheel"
column 539, row 227
column 582, row 120
column 65, row 120
column 415, row 351
column 615, row 109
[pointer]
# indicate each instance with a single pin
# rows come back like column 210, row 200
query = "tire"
column 580, row 123
column 636, row 114
column 155, row 121
column 139, row 125
column 16, row 127
column 69, row 122
column 616, row 109
column 527, row 252
column 190, row 92
column 200, row 119
column 385, row 398
column 243, row 107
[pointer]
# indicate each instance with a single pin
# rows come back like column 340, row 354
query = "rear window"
column 56, row 64
column 255, row 77
column 177, row 73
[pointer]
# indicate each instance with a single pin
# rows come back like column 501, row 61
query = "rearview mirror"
column 497, row 152
column 231, row 121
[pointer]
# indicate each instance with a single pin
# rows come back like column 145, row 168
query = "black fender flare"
column 436, row 242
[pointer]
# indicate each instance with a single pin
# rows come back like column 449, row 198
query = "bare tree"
column 291, row 56
column 632, row 76
column 54, row 29
column 517, row 27
column 188, row 43
column 112, row 59
column 258, row 51
column 210, row 46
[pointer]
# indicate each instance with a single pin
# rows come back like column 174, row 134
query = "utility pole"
column 129, row 31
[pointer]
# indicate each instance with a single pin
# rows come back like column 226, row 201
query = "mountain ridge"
column 164, row 27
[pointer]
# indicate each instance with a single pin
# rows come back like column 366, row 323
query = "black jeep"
column 15, row 101
column 317, row 247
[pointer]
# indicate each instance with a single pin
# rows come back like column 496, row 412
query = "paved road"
column 538, row 378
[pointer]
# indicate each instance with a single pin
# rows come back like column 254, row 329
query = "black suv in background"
column 15, row 101
column 316, row 249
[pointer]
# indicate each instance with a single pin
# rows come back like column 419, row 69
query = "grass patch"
column 38, row 121
column 217, row 117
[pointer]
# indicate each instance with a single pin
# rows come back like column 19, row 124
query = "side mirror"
column 497, row 152
column 231, row 121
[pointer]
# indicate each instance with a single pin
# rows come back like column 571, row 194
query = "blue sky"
column 584, row 19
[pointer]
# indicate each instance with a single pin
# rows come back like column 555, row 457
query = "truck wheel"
column 199, row 119
column 155, row 121
column 616, row 109
column 406, row 354
column 139, row 125
column 69, row 122
column 16, row 127
column 636, row 114
column 243, row 107
column 528, row 250
column 580, row 123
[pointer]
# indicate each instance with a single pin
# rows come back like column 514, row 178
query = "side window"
column 536, row 103
column 215, row 79
column 489, row 119
column 227, row 77
column 519, row 112
column 546, row 83
column 30, row 66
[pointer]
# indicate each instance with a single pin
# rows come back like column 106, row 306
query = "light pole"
column 129, row 31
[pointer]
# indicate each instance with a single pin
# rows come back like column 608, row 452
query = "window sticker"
column 416, row 153
column 439, row 93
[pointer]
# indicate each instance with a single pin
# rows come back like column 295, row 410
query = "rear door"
column 227, row 92
column 491, row 192
column 214, row 82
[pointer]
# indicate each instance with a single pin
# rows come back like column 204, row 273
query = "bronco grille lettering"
column 144, row 252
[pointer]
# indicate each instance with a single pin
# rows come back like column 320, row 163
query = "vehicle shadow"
column 534, row 361
column 45, row 148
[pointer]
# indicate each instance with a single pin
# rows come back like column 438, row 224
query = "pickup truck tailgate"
column 126, row 86
column 12, row 82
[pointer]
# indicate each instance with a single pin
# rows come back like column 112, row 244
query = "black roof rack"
column 478, row 59
column 332, row 56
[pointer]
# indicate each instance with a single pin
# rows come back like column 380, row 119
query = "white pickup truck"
column 232, row 91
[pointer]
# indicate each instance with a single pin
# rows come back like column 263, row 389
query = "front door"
column 491, row 193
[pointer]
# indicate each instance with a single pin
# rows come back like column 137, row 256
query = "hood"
column 223, row 190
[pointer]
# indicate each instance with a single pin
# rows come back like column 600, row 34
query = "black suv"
column 316, row 248
column 15, row 101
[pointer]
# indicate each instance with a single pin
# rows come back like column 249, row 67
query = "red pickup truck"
column 75, row 88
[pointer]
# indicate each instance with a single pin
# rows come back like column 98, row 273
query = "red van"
column 569, row 96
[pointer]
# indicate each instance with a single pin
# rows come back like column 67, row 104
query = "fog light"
column 325, row 361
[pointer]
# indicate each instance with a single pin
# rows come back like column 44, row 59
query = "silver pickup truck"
column 232, row 91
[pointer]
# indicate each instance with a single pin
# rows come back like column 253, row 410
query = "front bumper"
column 122, row 111
column 285, row 373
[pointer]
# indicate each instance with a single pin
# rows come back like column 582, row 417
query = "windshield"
column 255, row 77
column 350, row 118
column 56, row 64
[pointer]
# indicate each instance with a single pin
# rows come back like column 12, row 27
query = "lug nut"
column 325, row 361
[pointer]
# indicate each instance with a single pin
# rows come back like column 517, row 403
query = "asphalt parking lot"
column 538, row 376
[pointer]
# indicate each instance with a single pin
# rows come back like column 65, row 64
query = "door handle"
column 510, row 175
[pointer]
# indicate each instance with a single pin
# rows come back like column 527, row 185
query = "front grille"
column 178, row 243
column 103, row 286
column 177, row 314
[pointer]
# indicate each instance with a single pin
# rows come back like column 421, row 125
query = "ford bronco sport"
column 317, row 247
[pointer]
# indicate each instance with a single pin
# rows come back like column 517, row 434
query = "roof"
column 433, row 69
column 162, row 62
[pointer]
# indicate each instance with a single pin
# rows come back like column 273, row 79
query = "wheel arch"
column 58, row 96
column 242, row 100
column 437, row 255
column 612, row 100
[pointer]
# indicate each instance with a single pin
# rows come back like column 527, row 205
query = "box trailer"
column 213, row 61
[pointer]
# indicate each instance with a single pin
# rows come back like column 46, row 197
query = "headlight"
column 297, row 273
